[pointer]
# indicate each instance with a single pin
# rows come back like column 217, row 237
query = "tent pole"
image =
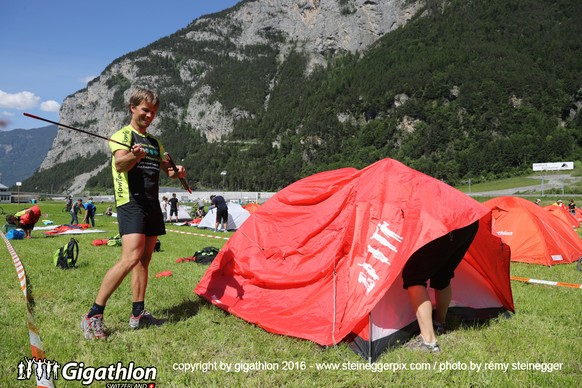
column 370, row 337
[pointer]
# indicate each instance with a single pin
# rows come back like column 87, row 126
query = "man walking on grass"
column 136, row 169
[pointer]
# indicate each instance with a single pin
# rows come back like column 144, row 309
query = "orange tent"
column 563, row 214
column 251, row 207
column 534, row 234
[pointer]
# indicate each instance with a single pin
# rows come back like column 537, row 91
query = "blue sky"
column 51, row 49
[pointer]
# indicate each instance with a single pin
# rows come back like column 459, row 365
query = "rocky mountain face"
column 320, row 28
column 22, row 151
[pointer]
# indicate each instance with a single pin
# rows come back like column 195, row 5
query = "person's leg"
column 458, row 245
column 132, row 251
column 422, row 305
column 139, row 279
column 443, row 299
column 225, row 221
column 139, row 273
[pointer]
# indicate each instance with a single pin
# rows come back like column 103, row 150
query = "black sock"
column 96, row 309
column 137, row 308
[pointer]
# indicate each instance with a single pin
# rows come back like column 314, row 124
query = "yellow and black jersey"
column 142, row 181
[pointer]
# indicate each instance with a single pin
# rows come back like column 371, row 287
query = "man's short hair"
column 140, row 94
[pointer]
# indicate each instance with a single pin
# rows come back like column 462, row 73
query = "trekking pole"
column 77, row 129
column 169, row 159
column 173, row 165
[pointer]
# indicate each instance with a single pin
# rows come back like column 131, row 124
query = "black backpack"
column 66, row 256
column 205, row 255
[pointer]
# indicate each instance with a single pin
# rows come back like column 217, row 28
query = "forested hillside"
column 491, row 87
column 475, row 90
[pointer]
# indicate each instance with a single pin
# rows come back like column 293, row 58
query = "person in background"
column 218, row 202
column 173, row 206
column 135, row 165
column 572, row 207
column 76, row 209
column 165, row 208
column 200, row 211
column 69, row 203
column 25, row 219
column 435, row 261
column 90, row 210
column 109, row 211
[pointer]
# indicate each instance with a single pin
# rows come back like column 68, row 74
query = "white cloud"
column 50, row 106
column 88, row 79
column 7, row 113
column 20, row 100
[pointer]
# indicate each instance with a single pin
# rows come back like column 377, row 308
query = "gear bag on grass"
column 15, row 234
column 66, row 256
column 205, row 255
column 114, row 241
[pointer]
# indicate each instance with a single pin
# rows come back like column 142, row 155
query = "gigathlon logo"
column 44, row 370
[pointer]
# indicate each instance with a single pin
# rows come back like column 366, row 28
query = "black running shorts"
column 222, row 216
column 144, row 217
column 438, row 259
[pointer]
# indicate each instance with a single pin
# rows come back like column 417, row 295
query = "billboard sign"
column 558, row 166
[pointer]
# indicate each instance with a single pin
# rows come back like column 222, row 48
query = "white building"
column 5, row 194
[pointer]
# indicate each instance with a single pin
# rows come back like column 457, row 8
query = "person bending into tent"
column 90, row 210
column 218, row 202
column 136, row 171
column 25, row 219
column 436, row 261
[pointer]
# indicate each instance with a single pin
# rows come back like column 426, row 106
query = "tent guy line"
column 196, row 234
column 545, row 282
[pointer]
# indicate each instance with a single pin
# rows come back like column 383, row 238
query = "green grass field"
column 545, row 330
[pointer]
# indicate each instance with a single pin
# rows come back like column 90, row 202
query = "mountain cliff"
column 318, row 28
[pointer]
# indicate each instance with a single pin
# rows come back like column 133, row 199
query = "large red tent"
column 322, row 259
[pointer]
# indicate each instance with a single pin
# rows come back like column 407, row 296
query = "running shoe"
column 93, row 327
column 144, row 319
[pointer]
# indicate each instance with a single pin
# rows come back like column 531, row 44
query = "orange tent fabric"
column 534, row 234
column 317, row 257
column 251, row 207
column 563, row 214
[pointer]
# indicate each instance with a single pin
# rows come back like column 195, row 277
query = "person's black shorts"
column 141, row 217
column 27, row 227
column 438, row 259
column 173, row 211
column 222, row 216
